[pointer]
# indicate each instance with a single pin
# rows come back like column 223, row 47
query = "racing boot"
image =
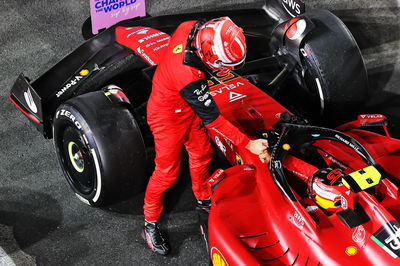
column 152, row 235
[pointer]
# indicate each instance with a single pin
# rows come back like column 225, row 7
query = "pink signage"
column 105, row 13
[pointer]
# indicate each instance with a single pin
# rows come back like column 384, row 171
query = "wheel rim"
column 76, row 157
column 77, row 161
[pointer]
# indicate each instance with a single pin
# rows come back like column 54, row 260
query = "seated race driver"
column 328, row 192
column 180, row 104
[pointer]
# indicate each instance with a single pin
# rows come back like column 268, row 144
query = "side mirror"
column 372, row 120
column 367, row 120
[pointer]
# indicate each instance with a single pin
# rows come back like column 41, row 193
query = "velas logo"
column 234, row 96
column 217, row 257
column 178, row 49
column 375, row 116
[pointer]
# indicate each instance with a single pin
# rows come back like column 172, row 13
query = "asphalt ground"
column 42, row 222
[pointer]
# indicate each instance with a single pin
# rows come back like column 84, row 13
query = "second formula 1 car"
column 327, row 196
column 93, row 102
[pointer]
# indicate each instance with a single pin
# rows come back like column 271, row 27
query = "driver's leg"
column 168, row 146
column 200, row 155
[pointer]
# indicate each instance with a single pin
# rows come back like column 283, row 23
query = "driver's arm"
column 197, row 95
column 300, row 168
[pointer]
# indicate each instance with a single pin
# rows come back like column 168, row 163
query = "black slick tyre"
column 100, row 149
column 334, row 70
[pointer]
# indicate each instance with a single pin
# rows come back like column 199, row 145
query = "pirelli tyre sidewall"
column 335, row 72
column 100, row 149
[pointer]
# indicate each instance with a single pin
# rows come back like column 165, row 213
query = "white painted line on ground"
column 5, row 260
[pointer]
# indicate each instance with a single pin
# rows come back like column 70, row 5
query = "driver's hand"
column 259, row 147
column 265, row 157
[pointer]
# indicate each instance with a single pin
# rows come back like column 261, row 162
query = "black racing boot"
column 152, row 235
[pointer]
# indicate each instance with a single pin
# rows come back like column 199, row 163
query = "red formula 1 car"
column 327, row 196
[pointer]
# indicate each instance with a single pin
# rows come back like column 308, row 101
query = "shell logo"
column 84, row 72
column 286, row 147
column 217, row 258
column 351, row 251
column 178, row 49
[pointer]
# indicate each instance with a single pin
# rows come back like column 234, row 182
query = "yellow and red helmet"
column 328, row 192
column 221, row 44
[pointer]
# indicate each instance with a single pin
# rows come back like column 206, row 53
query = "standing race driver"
column 180, row 104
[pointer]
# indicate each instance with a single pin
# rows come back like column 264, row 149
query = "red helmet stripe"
column 240, row 45
column 218, row 45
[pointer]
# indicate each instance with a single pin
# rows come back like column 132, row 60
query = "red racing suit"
column 178, row 103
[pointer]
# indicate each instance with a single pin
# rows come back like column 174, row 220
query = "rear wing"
column 39, row 99
column 27, row 99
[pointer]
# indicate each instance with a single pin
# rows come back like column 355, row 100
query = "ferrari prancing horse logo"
column 178, row 49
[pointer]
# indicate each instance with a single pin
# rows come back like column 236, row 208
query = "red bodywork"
column 251, row 221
